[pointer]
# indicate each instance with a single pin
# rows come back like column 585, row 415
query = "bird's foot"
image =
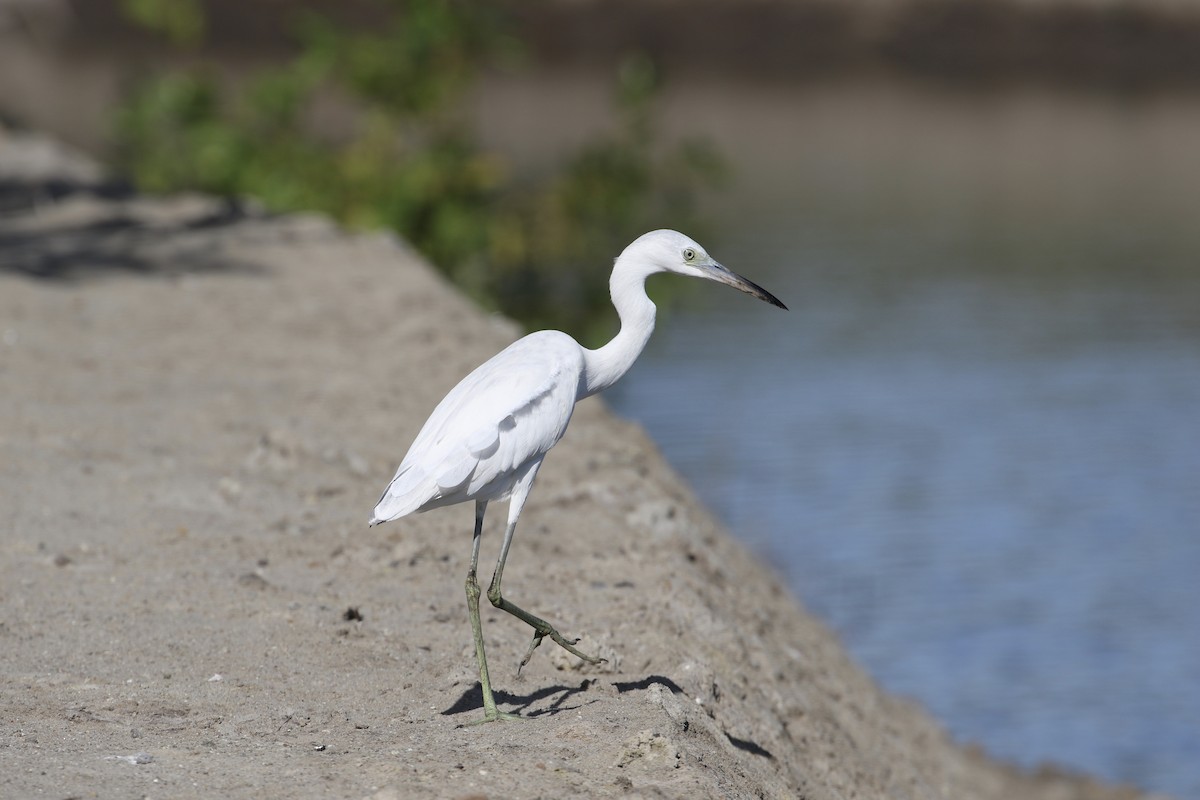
column 569, row 646
column 537, row 640
column 541, row 628
column 492, row 716
column 566, row 644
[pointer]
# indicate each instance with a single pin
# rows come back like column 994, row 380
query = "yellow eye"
column 689, row 254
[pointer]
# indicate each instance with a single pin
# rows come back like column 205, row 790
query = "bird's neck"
column 605, row 366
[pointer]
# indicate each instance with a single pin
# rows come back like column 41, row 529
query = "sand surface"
column 201, row 406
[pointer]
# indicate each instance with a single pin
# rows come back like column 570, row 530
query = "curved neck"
column 605, row 366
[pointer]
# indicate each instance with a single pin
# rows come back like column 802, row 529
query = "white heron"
column 486, row 440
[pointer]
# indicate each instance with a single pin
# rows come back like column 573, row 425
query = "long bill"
column 721, row 274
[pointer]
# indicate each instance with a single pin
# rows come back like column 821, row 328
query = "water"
column 973, row 445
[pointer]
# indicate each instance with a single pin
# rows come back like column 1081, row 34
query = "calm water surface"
column 973, row 444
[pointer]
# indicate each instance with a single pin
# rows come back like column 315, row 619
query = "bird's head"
column 671, row 251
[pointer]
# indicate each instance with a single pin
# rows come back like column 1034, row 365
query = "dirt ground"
column 201, row 406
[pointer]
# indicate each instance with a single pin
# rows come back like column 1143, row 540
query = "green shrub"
column 538, row 249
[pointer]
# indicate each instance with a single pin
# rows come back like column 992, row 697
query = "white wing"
column 510, row 411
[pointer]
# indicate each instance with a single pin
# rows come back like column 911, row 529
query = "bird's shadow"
column 745, row 745
column 748, row 746
column 645, row 683
column 472, row 699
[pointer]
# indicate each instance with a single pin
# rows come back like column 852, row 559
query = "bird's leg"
column 490, row 712
column 541, row 628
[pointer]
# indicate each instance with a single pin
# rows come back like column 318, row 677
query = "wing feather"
column 509, row 411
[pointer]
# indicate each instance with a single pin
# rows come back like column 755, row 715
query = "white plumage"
column 498, row 420
column 486, row 439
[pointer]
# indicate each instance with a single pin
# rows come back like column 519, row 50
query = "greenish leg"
column 541, row 628
column 490, row 712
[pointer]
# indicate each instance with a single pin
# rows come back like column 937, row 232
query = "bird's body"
column 497, row 422
column 486, row 439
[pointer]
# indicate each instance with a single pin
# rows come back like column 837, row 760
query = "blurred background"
column 973, row 444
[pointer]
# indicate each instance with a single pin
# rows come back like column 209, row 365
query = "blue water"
column 973, row 444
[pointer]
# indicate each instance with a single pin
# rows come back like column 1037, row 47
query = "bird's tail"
column 407, row 492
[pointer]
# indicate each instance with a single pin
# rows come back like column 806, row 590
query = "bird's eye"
column 689, row 254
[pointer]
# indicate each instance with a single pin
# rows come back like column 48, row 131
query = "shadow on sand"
column 472, row 699
column 105, row 233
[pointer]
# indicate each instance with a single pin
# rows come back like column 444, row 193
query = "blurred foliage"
column 180, row 21
column 538, row 248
